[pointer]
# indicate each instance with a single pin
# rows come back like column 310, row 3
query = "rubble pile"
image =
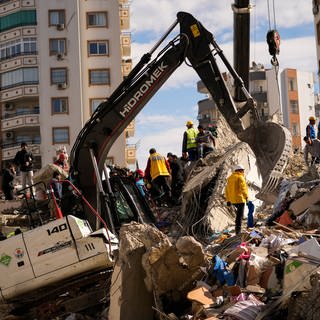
column 259, row 273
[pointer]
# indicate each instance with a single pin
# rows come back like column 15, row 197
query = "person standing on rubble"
column 205, row 141
column 236, row 193
column 189, row 144
column 313, row 147
column 177, row 179
column 158, row 172
column 310, row 129
column 24, row 160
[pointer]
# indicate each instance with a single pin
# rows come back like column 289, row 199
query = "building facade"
column 298, row 103
column 58, row 61
column 264, row 88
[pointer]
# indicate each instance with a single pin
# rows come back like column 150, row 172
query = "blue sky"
column 162, row 121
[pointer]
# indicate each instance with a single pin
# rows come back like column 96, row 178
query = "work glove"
column 228, row 203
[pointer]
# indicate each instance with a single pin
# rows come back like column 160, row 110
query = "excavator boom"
column 197, row 45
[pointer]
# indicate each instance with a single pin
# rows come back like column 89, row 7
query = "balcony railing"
column 21, row 113
column 22, row 83
column 15, row 144
column 19, row 54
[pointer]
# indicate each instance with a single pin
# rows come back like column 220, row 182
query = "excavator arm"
column 197, row 47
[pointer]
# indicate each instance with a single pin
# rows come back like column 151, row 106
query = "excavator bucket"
column 271, row 144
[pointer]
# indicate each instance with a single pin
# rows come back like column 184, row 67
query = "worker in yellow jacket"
column 158, row 172
column 236, row 193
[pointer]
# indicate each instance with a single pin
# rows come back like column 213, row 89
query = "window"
column 18, row 19
column 57, row 46
column 97, row 19
column 19, row 77
column 60, row 135
column 56, row 17
column 18, row 47
column 59, row 105
column 94, row 103
column 295, row 129
column 58, row 75
column 30, row 45
column 99, row 76
column 98, row 48
column 292, row 84
column 294, row 107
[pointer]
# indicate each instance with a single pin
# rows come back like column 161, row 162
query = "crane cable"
column 273, row 38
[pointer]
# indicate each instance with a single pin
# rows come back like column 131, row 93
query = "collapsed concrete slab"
column 301, row 204
column 204, row 206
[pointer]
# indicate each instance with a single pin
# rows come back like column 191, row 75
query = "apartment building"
column 263, row 87
column 58, row 61
column 298, row 102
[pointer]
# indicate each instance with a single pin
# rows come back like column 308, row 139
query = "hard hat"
column 189, row 123
column 312, row 118
column 140, row 172
column 238, row 167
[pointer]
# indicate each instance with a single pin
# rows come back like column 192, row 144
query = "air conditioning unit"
column 9, row 106
column 9, row 135
column 60, row 26
column 60, row 56
column 62, row 86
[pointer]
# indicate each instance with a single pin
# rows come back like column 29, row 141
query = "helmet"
column 312, row 118
column 189, row 123
column 140, row 172
column 238, row 167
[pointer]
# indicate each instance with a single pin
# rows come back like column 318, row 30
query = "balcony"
column 9, row 150
column 206, row 104
column 131, row 153
column 124, row 18
column 22, row 91
column 126, row 66
column 260, row 96
column 20, row 119
column 201, row 87
column 130, row 129
column 125, row 40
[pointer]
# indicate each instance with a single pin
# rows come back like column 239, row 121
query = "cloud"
column 149, row 21
column 167, row 140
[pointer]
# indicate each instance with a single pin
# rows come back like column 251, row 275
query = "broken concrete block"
column 298, row 270
column 304, row 202
column 201, row 295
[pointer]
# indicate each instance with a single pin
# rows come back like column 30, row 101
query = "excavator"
column 31, row 261
column 270, row 142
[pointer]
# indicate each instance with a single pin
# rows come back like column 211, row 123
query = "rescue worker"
column 177, row 179
column 313, row 147
column 62, row 162
column 158, row 172
column 236, row 193
column 189, row 144
column 139, row 175
column 310, row 129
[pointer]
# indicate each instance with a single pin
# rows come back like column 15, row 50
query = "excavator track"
column 78, row 294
